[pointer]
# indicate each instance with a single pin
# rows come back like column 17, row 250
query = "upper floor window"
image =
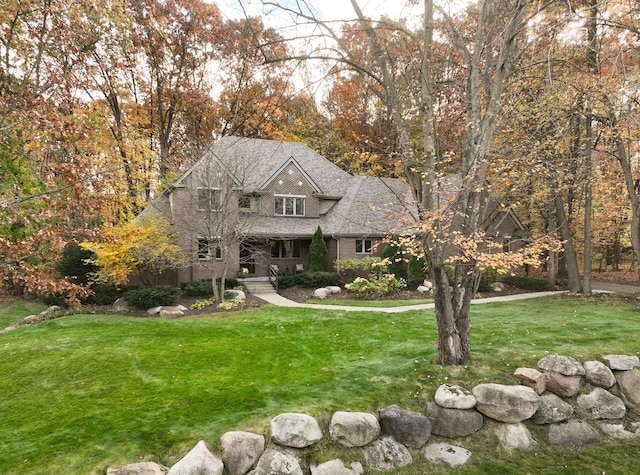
column 289, row 205
column 209, row 199
column 364, row 246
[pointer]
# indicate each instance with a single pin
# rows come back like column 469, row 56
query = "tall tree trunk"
column 588, row 210
column 632, row 190
column 569, row 250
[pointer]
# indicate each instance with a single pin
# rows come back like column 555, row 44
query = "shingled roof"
column 253, row 162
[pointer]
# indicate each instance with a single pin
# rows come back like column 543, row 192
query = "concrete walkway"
column 279, row 300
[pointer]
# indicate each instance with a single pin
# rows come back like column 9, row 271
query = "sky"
column 327, row 9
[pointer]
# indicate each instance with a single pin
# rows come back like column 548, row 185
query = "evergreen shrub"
column 203, row 288
column 392, row 253
column 309, row 280
column 317, row 259
column 417, row 272
column 527, row 283
column 153, row 296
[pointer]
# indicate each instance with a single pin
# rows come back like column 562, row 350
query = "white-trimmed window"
column 506, row 244
column 209, row 247
column 287, row 205
column 364, row 246
column 209, row 199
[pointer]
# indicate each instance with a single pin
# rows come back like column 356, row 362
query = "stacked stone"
column 602, row 393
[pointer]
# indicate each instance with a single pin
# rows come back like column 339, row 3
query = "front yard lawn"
column 85, row 392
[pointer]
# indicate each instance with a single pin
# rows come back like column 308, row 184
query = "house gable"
column 290, row 176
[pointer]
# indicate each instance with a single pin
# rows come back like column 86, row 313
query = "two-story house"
column 251, row 204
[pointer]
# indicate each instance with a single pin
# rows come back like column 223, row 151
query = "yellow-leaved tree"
column 142, row 249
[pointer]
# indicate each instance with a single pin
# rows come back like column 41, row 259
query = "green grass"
column 86, row 392
column 371, row 303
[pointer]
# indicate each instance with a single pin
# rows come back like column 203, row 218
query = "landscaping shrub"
column 485, row 283
column 105, row 294
column 527, row 283
column 350, row 269
column 73, row 263
column 153, row 296
column 317, row 260
column 392, row 253
column 55, row 299
column 379, row 287
column 416, row 272
column 203, row 288
column 309, row 280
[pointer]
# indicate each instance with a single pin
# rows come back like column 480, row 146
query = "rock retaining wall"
column 578, row 403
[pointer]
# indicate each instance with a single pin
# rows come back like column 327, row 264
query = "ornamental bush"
column 378, row 287
column 153, row 296
column 349, row 269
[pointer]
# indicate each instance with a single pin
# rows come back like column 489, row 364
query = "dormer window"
column 287, row 205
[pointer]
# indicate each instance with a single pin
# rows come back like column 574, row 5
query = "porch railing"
column 274, row 272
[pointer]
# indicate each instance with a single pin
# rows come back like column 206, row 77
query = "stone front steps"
column 256, row 287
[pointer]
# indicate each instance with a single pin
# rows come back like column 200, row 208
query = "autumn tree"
column 140, row 250
column 179, row 42
column 485, row 55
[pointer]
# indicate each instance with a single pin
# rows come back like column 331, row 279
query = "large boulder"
column 199, row 460
column 295, row 430
column 506, row 403
column 599, row 374
column 140, row 468
column 354, row 429
column 453, row 396
column 565, row 365
column 443, row 453
column 532, row 378
column 454, row 423
column 234, row 294
column 321, row 293
column 274, row 462
column 386, row 455
column 621, row 362
column 563, row 386
column 573, row 433
column 241, row 450
column 629, row 388
column 337, row 467
column 121, row 305
column 172, row 312
column 617, row 431
column 516, row 436
column 600, row 404
column 408, row 428
column 334, row 289
column 552, row 410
